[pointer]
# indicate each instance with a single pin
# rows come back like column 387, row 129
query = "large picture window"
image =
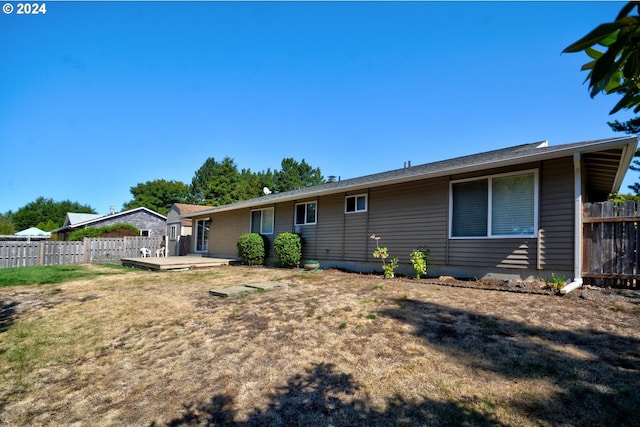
column 262, row 221
column 495, row 206
column 306, row 213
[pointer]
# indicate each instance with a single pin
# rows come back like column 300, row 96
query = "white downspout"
column 577, row 232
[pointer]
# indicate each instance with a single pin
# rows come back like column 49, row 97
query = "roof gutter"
column 549, row 153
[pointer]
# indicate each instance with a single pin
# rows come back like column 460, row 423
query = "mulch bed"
column 539, row 287
column 587, row 292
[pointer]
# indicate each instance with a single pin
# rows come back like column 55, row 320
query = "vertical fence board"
column 618, row 245
column 587, row 242
column 628, row 267
column 636, row 258
column 596, row 212
column 607, row 241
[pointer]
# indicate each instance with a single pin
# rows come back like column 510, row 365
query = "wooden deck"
column 188, row 262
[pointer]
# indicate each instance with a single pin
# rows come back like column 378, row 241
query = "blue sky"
column 98, row 97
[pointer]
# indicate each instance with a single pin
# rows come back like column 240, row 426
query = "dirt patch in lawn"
column 332, row 348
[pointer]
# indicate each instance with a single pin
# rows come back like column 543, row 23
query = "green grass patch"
column 48, row 274
column 27, row 346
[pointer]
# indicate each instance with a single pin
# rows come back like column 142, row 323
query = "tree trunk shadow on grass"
column 599, row 387
column 319, row 398
column 7, row 314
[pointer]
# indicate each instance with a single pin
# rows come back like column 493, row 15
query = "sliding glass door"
column 202, row 235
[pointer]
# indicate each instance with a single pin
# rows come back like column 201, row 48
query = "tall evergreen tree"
column 293, row 175
column 267, row 179
column 249, row 185
column 216, row 183
column 219, row 183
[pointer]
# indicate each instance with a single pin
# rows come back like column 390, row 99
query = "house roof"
column 605, row 162
column 184, row 208
column 92, row 218
column 32, row 231
column 76, row 218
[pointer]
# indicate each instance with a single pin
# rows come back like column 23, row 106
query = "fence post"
column 86, row 250
column 41, row 254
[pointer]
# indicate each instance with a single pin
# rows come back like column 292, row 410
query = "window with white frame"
column 173, row 232
column 306, row 213
column 495, row 206
column 355, row 203
column 144, row 233
column 262, row 221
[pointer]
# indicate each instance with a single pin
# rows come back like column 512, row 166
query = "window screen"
column 512, row 207
column 470, row 208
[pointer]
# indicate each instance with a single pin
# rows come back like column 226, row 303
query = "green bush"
column 116, row 230
column 288, row 249
column 251, row 248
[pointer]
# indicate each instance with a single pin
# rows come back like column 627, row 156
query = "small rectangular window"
column 306, row 213
column 144, row 233
column 262, row 221
column 173, row 232
column 356, row 203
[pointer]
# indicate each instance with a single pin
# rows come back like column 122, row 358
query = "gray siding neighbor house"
column 179, row 229
column 149, row 222
column 508, row 213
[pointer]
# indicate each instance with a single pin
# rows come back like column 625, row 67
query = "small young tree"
column 383, row 254
column 420, row 261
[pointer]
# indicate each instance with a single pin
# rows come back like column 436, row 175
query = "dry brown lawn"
column 332, row 349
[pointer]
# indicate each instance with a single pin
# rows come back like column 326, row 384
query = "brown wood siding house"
column 510, row 213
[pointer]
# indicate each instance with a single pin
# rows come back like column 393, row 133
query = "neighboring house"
column 509, row 213
column 150, row 223
column 179, row 229
column 33, row 233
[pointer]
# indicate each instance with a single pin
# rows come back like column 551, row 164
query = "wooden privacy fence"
column 91, row 250
column 611, row 237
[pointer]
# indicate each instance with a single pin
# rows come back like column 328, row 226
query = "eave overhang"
column 608, row 161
